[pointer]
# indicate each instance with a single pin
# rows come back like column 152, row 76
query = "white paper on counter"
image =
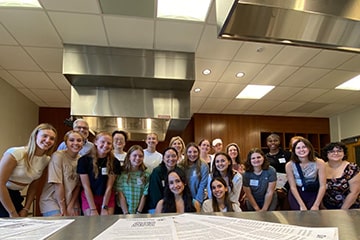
column 141, row 228
column 30, row 228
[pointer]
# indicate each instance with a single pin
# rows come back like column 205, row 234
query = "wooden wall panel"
column 245, row 130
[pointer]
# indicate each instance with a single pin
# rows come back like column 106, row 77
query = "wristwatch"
column 105, row 207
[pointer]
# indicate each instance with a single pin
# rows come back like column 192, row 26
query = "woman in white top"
column 23, row 166
column 220, row 201
column 60, row 195
column 222, row 167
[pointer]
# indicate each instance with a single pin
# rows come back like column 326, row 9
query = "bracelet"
column 93, row 209
column 26, row 209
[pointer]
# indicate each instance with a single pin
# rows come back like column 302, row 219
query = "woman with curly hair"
column 342, row 178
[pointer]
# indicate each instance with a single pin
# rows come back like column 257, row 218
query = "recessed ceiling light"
column 192, row 10
column 240, row 74
column 352, row 84
column 197, row 90
column 254, row 91
column 206, row 71
column 20, row 3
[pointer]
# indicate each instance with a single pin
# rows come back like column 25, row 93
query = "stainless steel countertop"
column 347, row 221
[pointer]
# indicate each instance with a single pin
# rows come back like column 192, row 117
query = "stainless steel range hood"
column 136, row 90
column 330, row 24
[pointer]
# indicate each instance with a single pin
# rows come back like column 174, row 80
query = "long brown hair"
column 109, row 158
column 249, row 167
column 308, row 144
column 227, row 202
column 185, row 163
column 127, row 162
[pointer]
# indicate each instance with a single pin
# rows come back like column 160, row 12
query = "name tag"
column 163, row 183
column 194, row 173
column 104, row 171
column 254, row 182
column 139, row 181
column 282, row 160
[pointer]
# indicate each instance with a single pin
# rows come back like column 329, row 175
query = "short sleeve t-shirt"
column 98, row 184
column 20, row 174
column 259, row 183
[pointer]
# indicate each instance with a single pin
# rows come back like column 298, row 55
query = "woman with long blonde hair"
column 24, row 166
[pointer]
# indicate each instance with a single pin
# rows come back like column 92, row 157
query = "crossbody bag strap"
column 300, row 173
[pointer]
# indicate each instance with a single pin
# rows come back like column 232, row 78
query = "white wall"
column 18, row 117
column 345, row 125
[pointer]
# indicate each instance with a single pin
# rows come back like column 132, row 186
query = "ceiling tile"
column 196, row 103
column 263, row 105
column 307, row 94
column 225, row 90
column 30, row 27
column 30, row 95
column 34, row 80
column 309, row 107
column 281, row 93
column 273, row 74
column 240, row 104
column 250, row 70
column 217, row 68
column 13, row 58
column 304, row 76
column 10, row 79
column 329, row 59
column 211, row 18
column 330, row 109
column 352, row 65
column 206, row 88
column 285, row 107
column 60, row 81
column 177, row 35
column 332, row 96
column 5, row 37
column 130, row 32
column 212, row 47
column 49, row 59
column 333, row 79
column 49, row 95
column 129, row 7
column 257, row 52
column 79, row 28
column 82, row 6
column 294, row 56
column 215, row 105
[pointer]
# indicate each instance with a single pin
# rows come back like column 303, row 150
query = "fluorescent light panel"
column 254, row 91
column 352, row 84
column 192, row 10
column 20, row 3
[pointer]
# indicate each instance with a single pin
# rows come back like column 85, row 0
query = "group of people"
column 100, row 178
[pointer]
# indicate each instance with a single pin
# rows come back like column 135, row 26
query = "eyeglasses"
column 335, row 151
column 80, row 127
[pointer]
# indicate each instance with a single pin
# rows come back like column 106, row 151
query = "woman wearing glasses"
column 342, row 178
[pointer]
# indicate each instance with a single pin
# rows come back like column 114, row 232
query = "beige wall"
column 345, row 125
column 18, row 117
